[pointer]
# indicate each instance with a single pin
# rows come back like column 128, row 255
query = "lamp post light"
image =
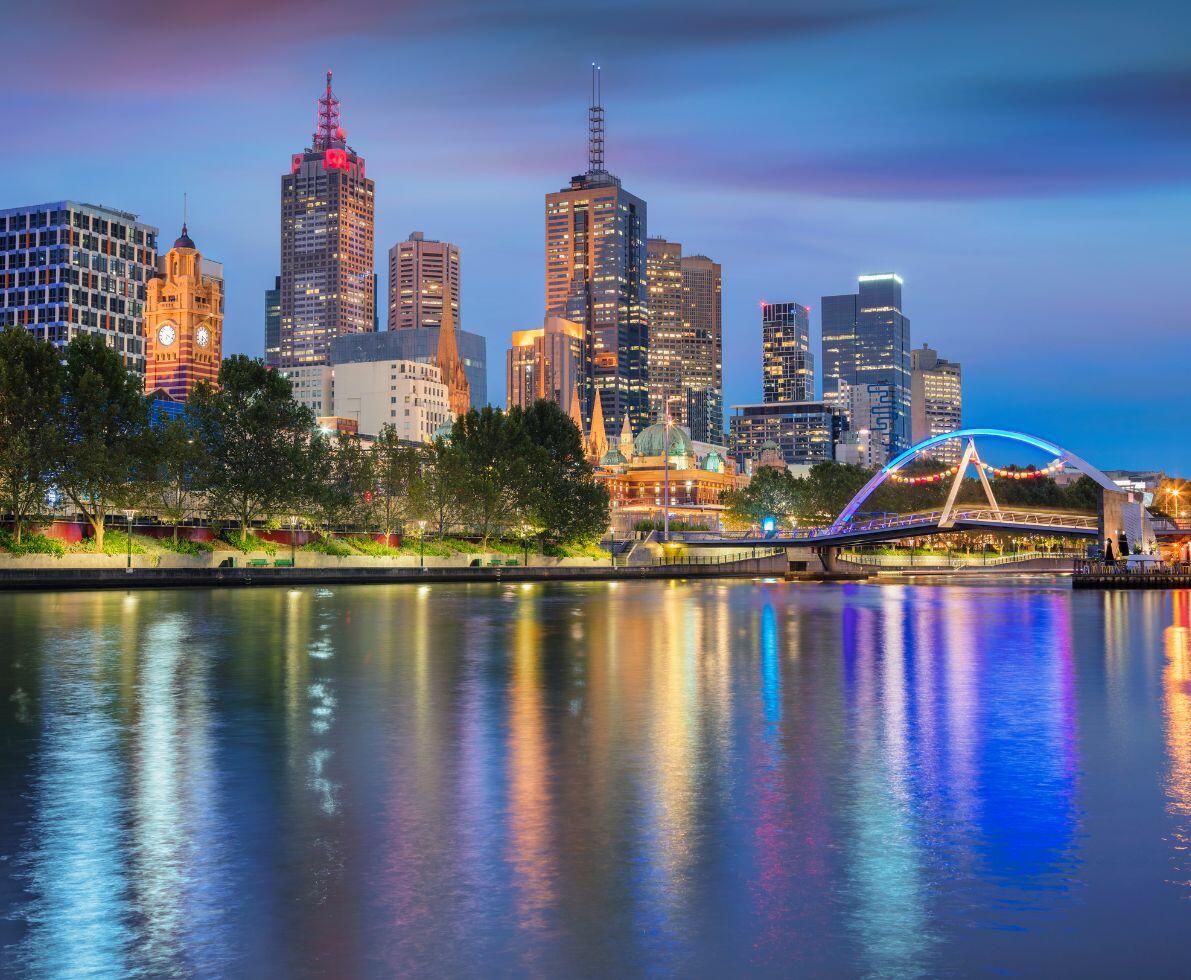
column 293, row 541
column 422, row 545
column 129, row 514
column 666, row 479
column 525, row 529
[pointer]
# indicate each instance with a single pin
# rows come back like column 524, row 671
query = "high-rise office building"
column 787, row 361
column 68, row 268
column 328, row 286
column 183, row 321
column 273, row 324
column 936, row 401
column 423, row 274
column 685, row 338
column 866, row 342
column 544, row 363
column 595, row 276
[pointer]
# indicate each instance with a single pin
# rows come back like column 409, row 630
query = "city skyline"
column 1036, row 199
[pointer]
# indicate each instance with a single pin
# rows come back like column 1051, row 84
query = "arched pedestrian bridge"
column 846, row 529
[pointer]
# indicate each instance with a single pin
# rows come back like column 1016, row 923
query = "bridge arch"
column 1068, row 458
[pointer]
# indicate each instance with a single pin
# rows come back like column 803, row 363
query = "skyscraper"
column 936, row 401
column 273, row 324
column 74, row 268
column 866, row 342
column 183, row 321
column 422, row 273
column 595, row 276
column 788, row 364
column 328, row 286
column 685, row 338
column 544, row 363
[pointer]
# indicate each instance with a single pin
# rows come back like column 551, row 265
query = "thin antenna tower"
column 327, row 132
column 595, row 125
column 185, row 210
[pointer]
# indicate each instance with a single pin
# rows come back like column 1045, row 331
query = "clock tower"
column 183, row 321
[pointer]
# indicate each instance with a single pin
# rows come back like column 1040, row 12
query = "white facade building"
column 408, row 395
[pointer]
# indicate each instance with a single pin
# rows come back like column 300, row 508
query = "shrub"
column 32, row 544
column 329, row 546
column 114, row 543
column 375, row 549
column 255, row 543
column 184, row 546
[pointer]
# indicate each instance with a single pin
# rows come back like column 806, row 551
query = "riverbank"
column 63, row 579
column 1130, row 580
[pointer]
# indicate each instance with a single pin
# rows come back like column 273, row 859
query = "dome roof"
column 613, row 457
column 713, row 462
column 183, row 240
column 444, row 431
column 652, row 441
column 770, row 444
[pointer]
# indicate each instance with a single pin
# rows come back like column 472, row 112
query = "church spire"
column 576, row 415
column 626, row 439
column 449, row 363
column 597, row 439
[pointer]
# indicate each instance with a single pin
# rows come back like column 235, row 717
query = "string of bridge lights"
column 1004, row 474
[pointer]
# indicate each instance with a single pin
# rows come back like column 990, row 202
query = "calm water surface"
column 662, row 778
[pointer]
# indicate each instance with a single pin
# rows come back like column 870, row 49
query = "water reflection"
column 676, row 778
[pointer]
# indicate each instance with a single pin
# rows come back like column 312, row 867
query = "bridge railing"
column 954, row 561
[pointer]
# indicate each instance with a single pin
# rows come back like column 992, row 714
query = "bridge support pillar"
column 828, row 557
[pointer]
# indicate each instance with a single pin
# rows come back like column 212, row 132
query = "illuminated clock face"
column 202, row 336
column 166, row 334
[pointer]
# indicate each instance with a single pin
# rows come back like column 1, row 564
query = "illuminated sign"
column 883, row 277
column 295, row 163
column 335, row 160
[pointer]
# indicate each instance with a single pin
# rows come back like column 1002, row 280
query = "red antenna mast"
column 328, row 133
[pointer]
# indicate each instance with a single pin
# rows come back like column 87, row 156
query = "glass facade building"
column 68, row 268
column 866, row 344
column 787, row 361
column 273, row 324
column 805, row 432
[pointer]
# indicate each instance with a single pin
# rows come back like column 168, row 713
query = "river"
column 700, row 778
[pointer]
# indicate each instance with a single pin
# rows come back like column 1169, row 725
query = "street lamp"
column 129, row 513
column 525, row 529
column 666, row 479
column 422, row 545
column 293, row 541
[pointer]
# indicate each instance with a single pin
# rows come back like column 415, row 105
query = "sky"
column 1024, row 166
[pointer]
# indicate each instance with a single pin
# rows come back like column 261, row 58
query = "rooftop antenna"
column 595, row 125
column 185, row 211
column 328, row 131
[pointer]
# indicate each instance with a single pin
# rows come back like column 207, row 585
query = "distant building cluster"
column 631, row 333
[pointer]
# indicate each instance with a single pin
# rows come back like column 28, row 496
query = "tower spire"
column 595, row 125
column 328, row 132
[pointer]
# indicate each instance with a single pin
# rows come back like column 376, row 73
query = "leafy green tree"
column 257, row 442
column 107, row 445
column 559, row 498
column 493, row 455
column 398, row 491
column 174, row 486
column 440, row 485
column 772, row 492
column 344, row 476
column 1082, row 495
column 825, row 491
column 30, row 402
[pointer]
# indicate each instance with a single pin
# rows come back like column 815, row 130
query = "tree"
column 257, row 442
column 493, row 455
column 344, row 478
column 30, row 401
column 440, row 483
column 398, row 489
column 1083, row 494
column 559, row 498
column 174, row 487
column 772, row 492
column 826, row 490
column 106, row 449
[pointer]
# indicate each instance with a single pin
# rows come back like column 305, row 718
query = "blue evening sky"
column 1024, row 166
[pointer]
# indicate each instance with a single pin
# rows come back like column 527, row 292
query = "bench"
column 257, row 563
column 283, row 563
column 494, row 563
column 512, row 563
